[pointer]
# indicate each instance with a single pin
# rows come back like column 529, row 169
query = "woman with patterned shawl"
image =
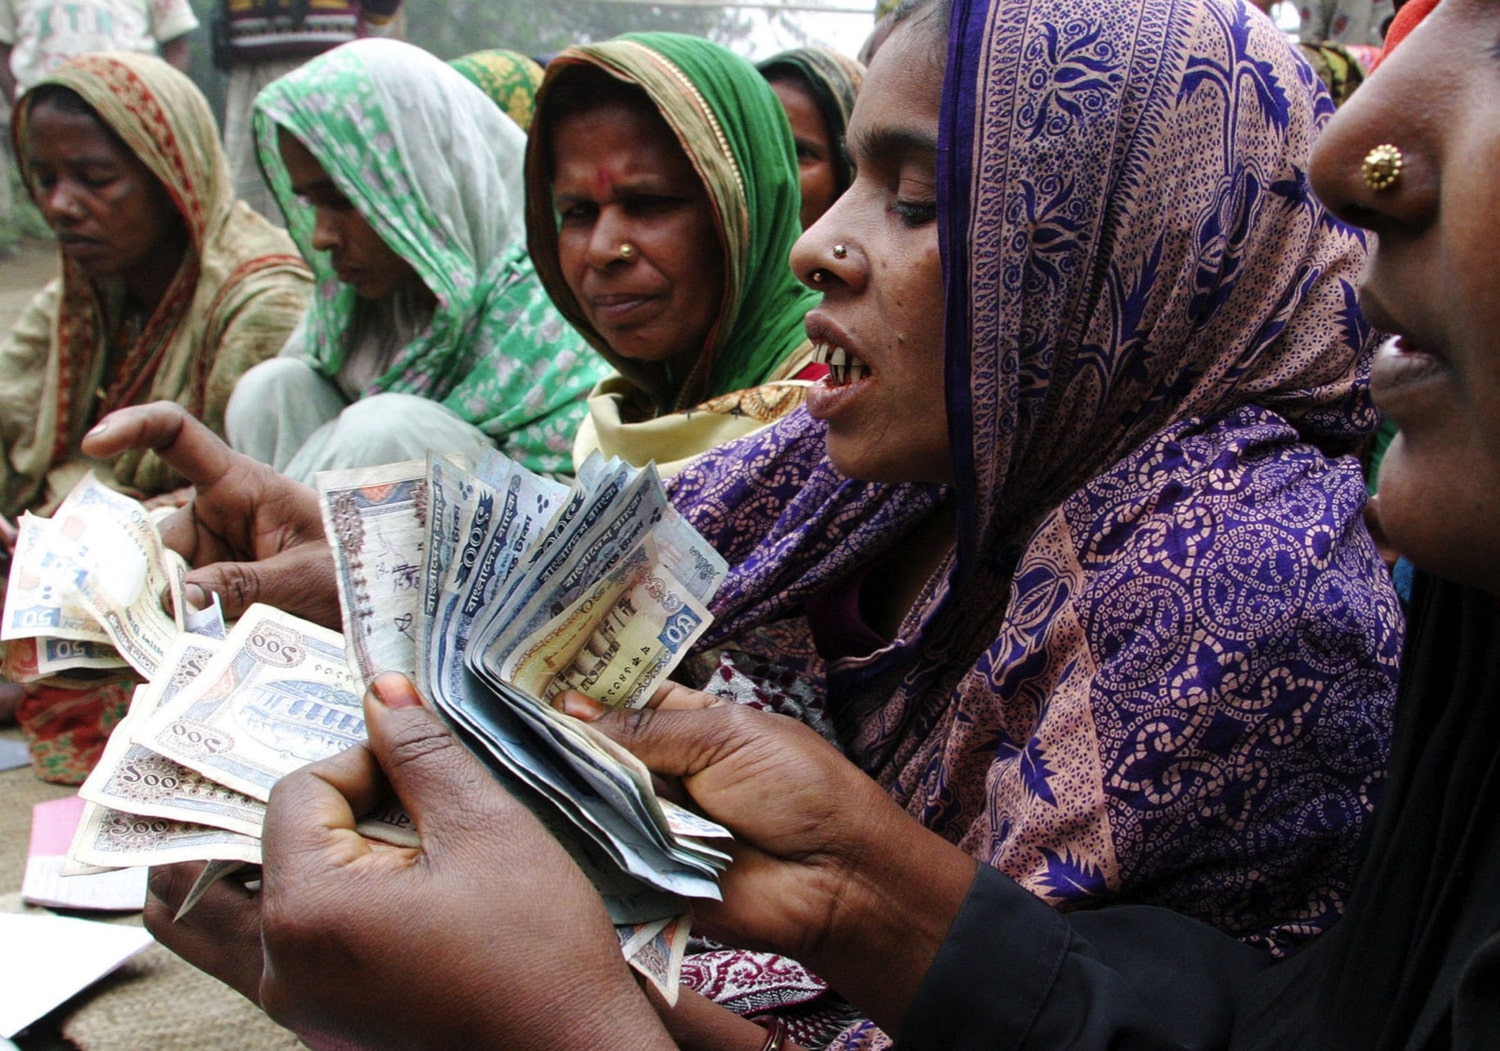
column 749, row 364
column 816, row 86
column 459, row 351
column 85, row 347
column 1157, row 662
column 170, row 289
column 508, row 77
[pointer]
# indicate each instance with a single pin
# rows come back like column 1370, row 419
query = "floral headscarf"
column 508, row 77
column 435, row 168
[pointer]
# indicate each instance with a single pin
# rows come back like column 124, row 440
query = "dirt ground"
column 22, row 275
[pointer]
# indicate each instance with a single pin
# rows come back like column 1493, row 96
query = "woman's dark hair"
column 936, row 14
column 65, row 100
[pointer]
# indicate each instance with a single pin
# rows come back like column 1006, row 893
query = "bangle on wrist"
column 776, row 1032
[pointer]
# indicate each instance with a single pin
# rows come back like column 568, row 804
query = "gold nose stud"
column 1382, row 167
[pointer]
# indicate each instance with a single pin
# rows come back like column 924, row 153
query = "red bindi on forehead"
column 604, row 181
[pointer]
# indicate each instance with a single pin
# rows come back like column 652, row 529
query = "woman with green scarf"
column 662, row 203
column 401, row 184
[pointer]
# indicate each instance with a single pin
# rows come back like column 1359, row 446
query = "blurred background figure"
column 508, row 77
column 816, row 87
column 1357, row 24
column 257, row 41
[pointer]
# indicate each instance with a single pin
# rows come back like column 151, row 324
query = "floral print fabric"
column 434, row 166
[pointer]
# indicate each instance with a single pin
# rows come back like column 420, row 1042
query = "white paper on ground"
column 13, row 755
column 52, row 825
column 45, row 959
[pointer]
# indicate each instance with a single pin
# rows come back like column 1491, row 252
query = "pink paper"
column 53, row 824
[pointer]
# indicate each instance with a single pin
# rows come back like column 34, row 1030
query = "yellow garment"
column 676, row 438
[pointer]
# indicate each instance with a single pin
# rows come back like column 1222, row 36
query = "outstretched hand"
column 252, row 535
column 486, row 935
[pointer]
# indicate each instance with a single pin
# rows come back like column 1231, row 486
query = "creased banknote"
column 376, row 521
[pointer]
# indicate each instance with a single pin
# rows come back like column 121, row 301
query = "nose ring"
column 1382, row 167
column 840, row 251
column 626, row 251
column 817, row 276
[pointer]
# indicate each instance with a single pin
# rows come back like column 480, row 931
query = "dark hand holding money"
column 474, row 939
column 833, row 874
column 251, row 534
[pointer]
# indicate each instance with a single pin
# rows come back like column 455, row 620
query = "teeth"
column 843, row 368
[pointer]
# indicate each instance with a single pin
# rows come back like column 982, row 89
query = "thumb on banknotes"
column 426, row 765
column 238, row 585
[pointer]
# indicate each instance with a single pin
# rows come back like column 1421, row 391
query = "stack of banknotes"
column 492, row 587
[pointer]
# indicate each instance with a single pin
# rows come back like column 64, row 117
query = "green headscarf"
column 709, row 97
column 434, row 167
column 508, row 77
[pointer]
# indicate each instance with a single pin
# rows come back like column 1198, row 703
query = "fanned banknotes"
column 492, row 587
column 529, row 588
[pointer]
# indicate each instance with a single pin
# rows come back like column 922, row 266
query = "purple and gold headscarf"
column 1159, row 665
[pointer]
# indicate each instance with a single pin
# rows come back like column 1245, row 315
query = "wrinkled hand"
column 827, row 869
column 252, row 535
column 474, row 939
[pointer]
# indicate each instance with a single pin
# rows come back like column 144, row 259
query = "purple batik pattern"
column 1160, row 664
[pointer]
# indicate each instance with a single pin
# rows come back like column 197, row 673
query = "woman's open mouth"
column 843, row 367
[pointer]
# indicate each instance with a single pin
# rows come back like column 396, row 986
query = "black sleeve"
column 1016, row 973
column 1476, row 1007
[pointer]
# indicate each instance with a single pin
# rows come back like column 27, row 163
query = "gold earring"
column 840, row 251
column 627, row 251
column 1382, row 167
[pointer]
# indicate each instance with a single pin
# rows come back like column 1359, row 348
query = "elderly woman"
column 401, row 183
column 662, row 201
column 170, row 289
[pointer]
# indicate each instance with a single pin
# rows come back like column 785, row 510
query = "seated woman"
column 401, row 183
column 170, row 288
column 816, row 87
column 508, row 77
column 661, row 205
column 1106, row 622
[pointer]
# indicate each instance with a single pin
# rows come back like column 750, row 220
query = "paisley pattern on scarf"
column 1160, row 663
